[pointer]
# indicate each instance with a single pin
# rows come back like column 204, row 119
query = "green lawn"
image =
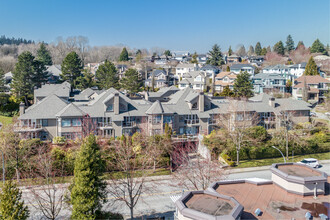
column 6, row 120
column 270, row 161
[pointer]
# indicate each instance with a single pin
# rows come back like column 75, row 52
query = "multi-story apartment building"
column 313, row 87
column 110, row 113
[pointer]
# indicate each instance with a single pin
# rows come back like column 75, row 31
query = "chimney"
column 116, row 103
column 201, row 102
column 146, row 95
column 21, row 108
column 272, row 102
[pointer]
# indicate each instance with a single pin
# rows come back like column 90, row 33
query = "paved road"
column 321, row 116
column 157, row 201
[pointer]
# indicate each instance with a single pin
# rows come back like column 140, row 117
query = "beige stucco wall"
column 181, row 217
column 296, row 187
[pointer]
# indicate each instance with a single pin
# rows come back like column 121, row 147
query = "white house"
column 160, row 79
column 237, row 68
column 183, row 68
column 198, row 80
column 211, row 71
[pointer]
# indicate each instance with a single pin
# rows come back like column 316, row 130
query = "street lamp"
column 280, row 152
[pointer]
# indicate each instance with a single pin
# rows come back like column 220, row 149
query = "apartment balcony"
column 129, row 124
column 103, row 126
column 191, row 121
column 27, row 128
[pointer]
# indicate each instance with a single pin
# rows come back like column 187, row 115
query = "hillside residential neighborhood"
column 176, row 110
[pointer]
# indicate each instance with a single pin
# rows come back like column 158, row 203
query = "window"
column 44, row 122
column 181, row 130
column 167, row 119
column 76, row 122
column 194, row 106
column 66, row 122
column 239, row 117
column 110, row 108
column 122, row 107
column 156, row 119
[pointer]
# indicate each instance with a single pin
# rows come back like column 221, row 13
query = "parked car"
column 312, row 114
column 327, row 113
column 312, row 162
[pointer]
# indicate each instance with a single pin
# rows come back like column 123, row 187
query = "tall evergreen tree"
column 71, row 68
column 23, row 73
column 86, row 80
column 88, row 188
column 107, row 76
column 311, row 68
column 264, row 51
column 132, row 81
column 269, row 49
column 123, row 55
column 11, row 205
column 230, row 51
column 300, row 43
column 279, row 48
column 40, row 75
column 167, row 53
column 289, row 44
column 251, row 51
column 215, row 56
column 258, row 49
column 243, row 86
column 318, row 47
column 43, row 55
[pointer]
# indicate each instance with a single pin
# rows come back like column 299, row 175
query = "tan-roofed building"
column 310, row 88
column 224, row 79
column 290, row 194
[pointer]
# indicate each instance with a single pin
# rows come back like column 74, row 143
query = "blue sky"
column 172, row 24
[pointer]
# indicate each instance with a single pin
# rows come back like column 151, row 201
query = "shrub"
column 59, row 140
column 227, row 159
column 257, row 133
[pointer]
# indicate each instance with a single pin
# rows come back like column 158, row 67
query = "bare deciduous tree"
column 195, row 173
column 301, row 54
column 133, row 162
column 237, row 120
column 47, row 196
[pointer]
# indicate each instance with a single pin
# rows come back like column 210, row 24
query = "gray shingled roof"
column 156, row 108
column 61, row 90
column 54, row 70
column 71, row 110
column 268, row 76
column 240, row 66
column 84, row 95
column 45, row 109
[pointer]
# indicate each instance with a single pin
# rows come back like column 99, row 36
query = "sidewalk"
column 252, row 169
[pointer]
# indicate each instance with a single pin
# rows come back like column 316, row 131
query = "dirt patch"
column 287, row 208
column 315, row 208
